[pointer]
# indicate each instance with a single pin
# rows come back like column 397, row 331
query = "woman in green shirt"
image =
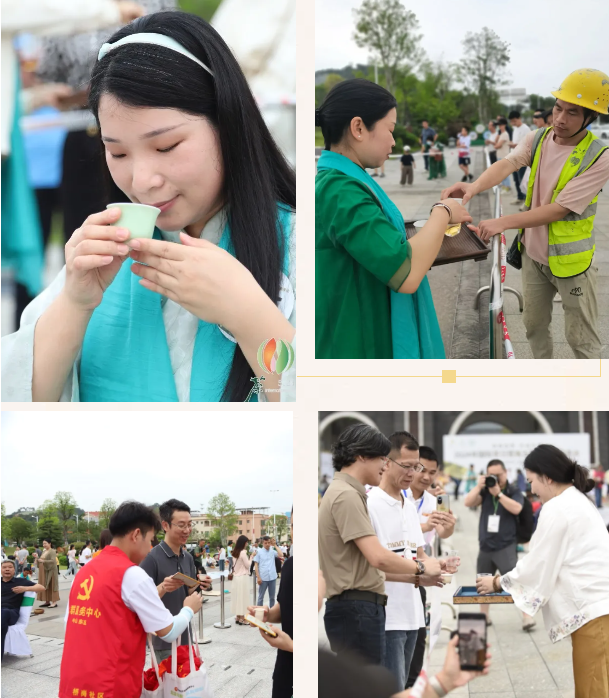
column 372, row 297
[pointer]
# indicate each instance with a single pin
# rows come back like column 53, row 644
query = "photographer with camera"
column 501, row 505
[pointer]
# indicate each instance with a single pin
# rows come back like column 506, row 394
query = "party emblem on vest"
column 87, row 587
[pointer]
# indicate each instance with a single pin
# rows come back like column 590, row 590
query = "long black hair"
column 553, row 463
column 239, row 546
column 256, row 174
column 348, row 99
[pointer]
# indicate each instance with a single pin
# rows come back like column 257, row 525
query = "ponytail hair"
column 348, row 99
column 553, row 463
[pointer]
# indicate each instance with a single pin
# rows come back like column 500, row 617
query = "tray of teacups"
column 456, row 247
column 471, row 595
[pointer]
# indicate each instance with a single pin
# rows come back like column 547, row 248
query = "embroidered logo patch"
column 576, row 291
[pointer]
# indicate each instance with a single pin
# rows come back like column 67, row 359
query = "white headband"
column 158, row 40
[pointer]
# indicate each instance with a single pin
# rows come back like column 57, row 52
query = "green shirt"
column 359, row 256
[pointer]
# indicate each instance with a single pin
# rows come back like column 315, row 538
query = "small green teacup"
column 139, row 219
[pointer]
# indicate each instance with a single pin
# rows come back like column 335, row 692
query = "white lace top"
column 566, row 572
column 180, row 329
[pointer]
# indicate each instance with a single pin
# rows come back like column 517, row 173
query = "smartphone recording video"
column 443, row 503
column 472, row 641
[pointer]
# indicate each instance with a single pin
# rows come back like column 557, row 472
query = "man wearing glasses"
column 351, row 556
column 397, row 526
column 169, row 557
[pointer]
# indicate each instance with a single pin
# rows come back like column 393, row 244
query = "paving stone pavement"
column 238, row 661
column 524, row 665
column 464, row 329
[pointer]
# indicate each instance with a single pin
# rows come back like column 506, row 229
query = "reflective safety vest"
column 571, row 240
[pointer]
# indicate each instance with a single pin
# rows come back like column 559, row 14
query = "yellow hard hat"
column 588, row 87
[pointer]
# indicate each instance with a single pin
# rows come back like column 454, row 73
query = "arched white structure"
column 458, row 423
column 359, row 416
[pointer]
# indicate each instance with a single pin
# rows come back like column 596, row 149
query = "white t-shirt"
column 71, row 554
column 222, row 554
column 141, row 596
column 463, row 143
column 85, row 556
column 519, row 133
column 424, row 506
column 398, row 529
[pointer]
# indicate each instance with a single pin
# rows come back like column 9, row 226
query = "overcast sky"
column 548, row 40
column 148, row 456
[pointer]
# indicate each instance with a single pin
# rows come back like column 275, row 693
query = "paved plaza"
column 523, row 664
column 454, row 286
column 238, row 661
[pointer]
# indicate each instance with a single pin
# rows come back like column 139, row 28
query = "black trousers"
column 419, row 651
column 48, row 201
column 493, row 157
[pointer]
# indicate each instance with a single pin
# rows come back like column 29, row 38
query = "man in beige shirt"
column 351, row 557
column 540, row 285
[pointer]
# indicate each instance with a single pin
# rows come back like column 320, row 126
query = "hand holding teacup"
column 484, row 584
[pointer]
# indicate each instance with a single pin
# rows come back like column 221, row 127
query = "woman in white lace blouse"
column 183, row 316
column 566, row 572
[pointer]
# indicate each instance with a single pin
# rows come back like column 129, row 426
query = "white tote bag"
column 157, row 693
column 195, row 685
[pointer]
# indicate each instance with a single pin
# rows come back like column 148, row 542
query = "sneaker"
column 374, row 174
column 471, row 177
column 464, row 178
column 523, row 207
column 528, row 624
column 382, row 174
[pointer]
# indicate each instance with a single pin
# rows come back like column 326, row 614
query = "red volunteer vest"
column 105, row 644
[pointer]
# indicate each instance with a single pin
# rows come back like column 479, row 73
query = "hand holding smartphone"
column 472, row 641
column 260, row 624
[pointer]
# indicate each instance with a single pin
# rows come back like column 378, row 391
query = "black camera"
column 490, row 481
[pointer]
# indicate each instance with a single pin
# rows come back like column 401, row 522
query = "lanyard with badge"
column 493, row 519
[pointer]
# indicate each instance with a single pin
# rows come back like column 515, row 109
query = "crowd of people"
column 372, row 295
column 135, row 588
column 378, row 519
column 174, row 68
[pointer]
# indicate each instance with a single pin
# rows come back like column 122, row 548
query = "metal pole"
column 202, row 640
column 495, row 295
column 222, row 625
column 254, row 590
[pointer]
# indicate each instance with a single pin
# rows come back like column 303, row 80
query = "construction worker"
column 569, row 167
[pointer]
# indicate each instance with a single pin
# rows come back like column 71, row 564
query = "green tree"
column 483, row 68
column 281, row 526
column 21, row 530
column 50, row 527
column 221, row 510
column 388, row 30
column 106, row 510
column 64, row 506
column 5, row 531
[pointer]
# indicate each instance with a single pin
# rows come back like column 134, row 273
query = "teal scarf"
column 125, row 356
column 414, row 325
column 22, row 249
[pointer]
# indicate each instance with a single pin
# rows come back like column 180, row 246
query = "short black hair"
column 428, row 453
column 167, row 508
column 403, row 439
column 502, row 121
column 202, row 539
column 359, row 440
column 514, row 114
column 495, row 461
column 538, row 113
column 546, row 114
column 131, row 515
column 266, row 538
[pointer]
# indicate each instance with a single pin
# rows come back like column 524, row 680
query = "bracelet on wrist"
column 434, row 682
column 444, row 206
column 497, row 583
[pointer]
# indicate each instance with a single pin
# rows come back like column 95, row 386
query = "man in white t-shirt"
column 395, row 522
column 85, row 554
column 432, row 522
column 463, row 144
column 520, row 130
column 103, row 621
column 222, row 558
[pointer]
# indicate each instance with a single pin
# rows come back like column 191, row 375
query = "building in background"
column 430, row 428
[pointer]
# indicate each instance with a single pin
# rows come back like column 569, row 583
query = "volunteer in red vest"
column 113, row 604
column 569, row 167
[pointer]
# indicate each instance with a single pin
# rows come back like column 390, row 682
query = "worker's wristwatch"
column 420, row 568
